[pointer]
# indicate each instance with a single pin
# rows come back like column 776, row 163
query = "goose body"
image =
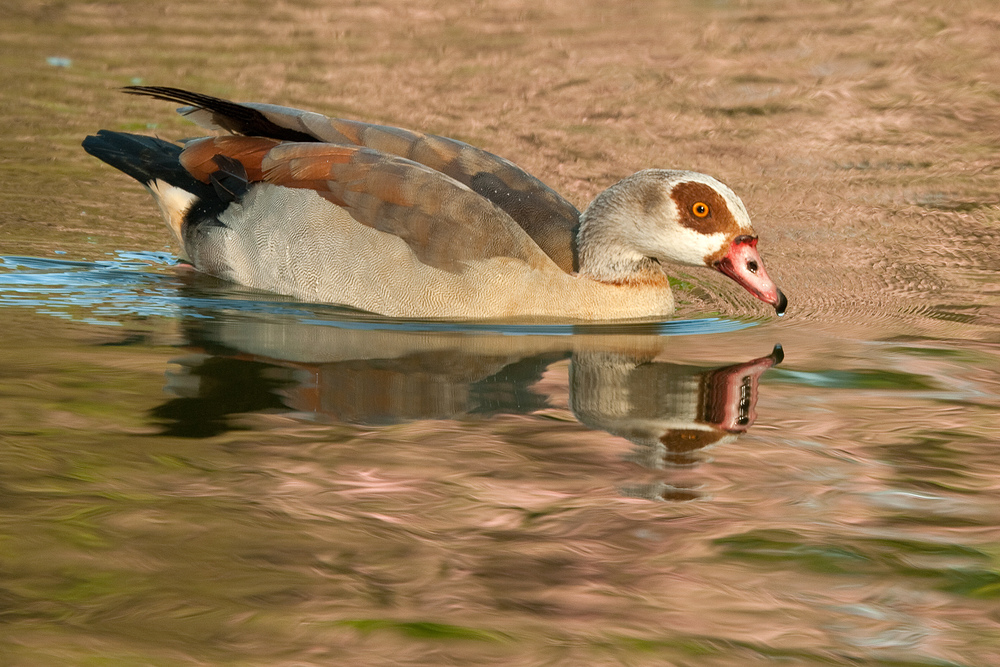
column 411, row 225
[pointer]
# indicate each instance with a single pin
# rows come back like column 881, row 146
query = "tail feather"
column 156, row 164
column 145, row 159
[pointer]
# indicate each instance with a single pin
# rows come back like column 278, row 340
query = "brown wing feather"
column 198, row 155
column 549, row 219
column 444, row 223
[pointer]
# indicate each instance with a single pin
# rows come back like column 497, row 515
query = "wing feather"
column 548, row 218
column 445, row 224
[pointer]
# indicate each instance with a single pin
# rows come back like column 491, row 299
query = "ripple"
column 931, row 271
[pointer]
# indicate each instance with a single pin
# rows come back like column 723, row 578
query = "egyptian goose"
column 412, row 225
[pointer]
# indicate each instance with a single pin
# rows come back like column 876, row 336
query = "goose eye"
column 752, row 266
column 700, row 209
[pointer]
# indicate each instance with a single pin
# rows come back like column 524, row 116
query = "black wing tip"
column 151, row 91
column 230, row 181
column 231, row 116
column 145, row 90
column 179, row 95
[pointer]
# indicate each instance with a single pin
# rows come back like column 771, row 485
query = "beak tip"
column 782, row 304
column 777, row 354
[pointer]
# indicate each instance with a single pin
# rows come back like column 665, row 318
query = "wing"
column 444, row 223
column 549, row 220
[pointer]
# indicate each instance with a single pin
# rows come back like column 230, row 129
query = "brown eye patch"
column 702, row 209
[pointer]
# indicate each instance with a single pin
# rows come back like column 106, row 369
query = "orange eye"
column 700, row 209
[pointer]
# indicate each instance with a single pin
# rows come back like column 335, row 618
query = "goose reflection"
column 617, row 382
column 669, row 411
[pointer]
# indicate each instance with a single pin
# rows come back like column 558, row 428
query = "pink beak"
column 730, row 393
column 742, row 263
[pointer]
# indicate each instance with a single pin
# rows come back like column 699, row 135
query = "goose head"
column 661, row 215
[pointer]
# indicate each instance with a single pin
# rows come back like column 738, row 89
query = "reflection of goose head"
column 671, row 409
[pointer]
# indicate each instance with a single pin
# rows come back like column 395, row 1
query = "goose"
column 412, row 225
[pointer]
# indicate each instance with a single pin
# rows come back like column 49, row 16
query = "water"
column 192, row 473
